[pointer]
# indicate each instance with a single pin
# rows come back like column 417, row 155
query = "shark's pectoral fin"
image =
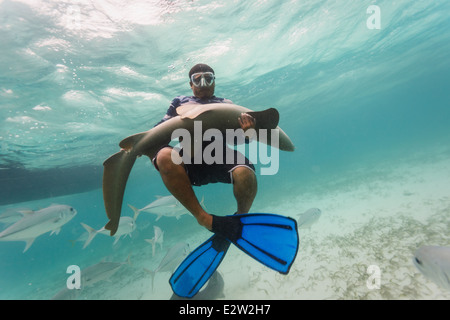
column 129, row 142
column 115, row 175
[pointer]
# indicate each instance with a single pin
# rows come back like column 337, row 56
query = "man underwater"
column 269, row 238
column 179, row 178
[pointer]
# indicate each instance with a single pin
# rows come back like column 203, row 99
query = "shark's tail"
column 115, row 175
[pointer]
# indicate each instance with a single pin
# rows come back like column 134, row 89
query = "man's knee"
column 167, row 159
column 243, row 174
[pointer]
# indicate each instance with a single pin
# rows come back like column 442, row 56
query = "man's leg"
column 244, row 188
column 177, row 182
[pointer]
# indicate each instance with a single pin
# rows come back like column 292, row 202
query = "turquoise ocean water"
column 366, row 104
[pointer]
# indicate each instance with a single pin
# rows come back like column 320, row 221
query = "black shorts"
column 202, row 174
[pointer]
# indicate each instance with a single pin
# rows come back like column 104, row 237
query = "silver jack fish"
column 166, row 206
column 126, row 227
column 158, row 238
column 35, row 223
column 101, row 271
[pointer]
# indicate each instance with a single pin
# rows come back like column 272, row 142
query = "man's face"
column 205, row 85
column 203, row 92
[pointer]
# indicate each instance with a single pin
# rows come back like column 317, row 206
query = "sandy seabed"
column 373, row 218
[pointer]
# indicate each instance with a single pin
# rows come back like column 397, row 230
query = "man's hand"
column 247, row 121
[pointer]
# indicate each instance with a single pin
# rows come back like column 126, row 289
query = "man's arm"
column 171, row 112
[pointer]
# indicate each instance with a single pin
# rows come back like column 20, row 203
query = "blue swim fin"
column 199, row 266
column 269, row 238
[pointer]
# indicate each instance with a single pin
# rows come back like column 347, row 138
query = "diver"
column 179, row 178
column 270, row 239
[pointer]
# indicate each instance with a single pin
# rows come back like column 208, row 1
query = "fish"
column 101, row 271
column 434, row 263
column 167, row 206
column 158, row 238
column 220, row 116
column 212, row 291
column 126, row 227
column 35, row 223
column 308, row 218
column 171, row 260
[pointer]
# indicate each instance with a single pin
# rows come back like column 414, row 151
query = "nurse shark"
column 218, row 116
